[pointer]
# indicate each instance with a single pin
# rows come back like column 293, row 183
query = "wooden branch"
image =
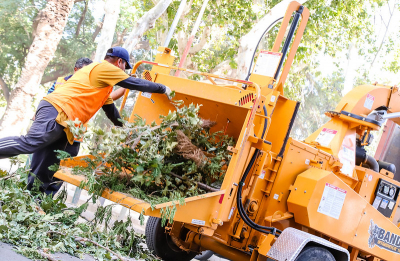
column 81, row 239
column 98, row 28
column 54, row 75
column 49, row 257
column 81, row 19
column 120, row 38
column 198, row 47
column 8, row 177
column 4, row 88
column 146, row 22
column 199, row 184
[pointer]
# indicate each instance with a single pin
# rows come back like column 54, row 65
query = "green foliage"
column 40, row 224
column 139, row 159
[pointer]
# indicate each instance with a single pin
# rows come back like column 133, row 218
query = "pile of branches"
column 40, row 226
column 176, row 159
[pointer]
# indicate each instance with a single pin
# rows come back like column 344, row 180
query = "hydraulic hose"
column 265, row 122
column 255, row 49
column 372, row 163
column 241, row 210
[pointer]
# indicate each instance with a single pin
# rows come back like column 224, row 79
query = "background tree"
column 345, row 43
column 48, row 27
column 111, row 8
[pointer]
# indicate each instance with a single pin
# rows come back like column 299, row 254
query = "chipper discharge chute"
column 281, row 199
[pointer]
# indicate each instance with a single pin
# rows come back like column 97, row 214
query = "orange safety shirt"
column 85, row 93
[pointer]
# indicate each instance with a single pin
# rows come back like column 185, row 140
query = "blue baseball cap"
column 121, row 53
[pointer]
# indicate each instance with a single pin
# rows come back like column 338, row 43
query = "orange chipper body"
column 300, row 194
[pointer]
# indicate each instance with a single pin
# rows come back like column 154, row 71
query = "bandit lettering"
column 383, row 239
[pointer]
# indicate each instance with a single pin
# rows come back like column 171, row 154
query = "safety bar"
column 207, row 75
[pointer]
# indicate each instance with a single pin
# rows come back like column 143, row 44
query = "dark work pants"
column 73, row 149
column 44, row 136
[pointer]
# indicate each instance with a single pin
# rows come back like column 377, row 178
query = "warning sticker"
column 377, row 202
column 347, row 153
column 231, row 213
column 347, row 156
column 267, row 63
column 198, row 222
column 146, row 94
column 369, row 101
column 326, row 136
column 332, row 201
column 384, row 203
column 262, row 175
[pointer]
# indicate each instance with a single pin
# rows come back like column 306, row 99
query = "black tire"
column 205, row 255
column 161, row 243
column 315, row 253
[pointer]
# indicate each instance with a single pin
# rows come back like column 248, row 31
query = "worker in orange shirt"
column 79, row 98
column 73, row 149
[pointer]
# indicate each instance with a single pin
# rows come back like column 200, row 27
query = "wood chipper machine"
column 281, row 199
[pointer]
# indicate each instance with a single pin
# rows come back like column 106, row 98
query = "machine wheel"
column 161, row 243
column 315, row 253
column 205, row 255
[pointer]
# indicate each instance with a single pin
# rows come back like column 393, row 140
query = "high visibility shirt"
column 59, row 82
column 85, row 93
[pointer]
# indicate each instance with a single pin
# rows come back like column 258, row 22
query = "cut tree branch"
column 81, row 240
column 199, row 184
column 4, row 88
column 49, row 257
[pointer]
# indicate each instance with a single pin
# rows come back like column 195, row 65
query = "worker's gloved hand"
column 168, row 92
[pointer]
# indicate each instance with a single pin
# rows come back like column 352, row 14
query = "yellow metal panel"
column 336, row 143
column 353, row 224
column 354, row 100
column 280, row 121
column 362, row 235
column 205, row 202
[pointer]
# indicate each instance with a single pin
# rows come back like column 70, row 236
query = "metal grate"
column 147, row 76
column 247, row 98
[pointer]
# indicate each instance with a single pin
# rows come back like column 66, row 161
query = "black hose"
column 372, row 163
column 255, row 49
column 242, row 212
column 288, row 40
column 265, row 122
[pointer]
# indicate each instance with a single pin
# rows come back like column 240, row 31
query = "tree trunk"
column 112, row 9
column 4, row 88
column 146, row 22
column 51, row 22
